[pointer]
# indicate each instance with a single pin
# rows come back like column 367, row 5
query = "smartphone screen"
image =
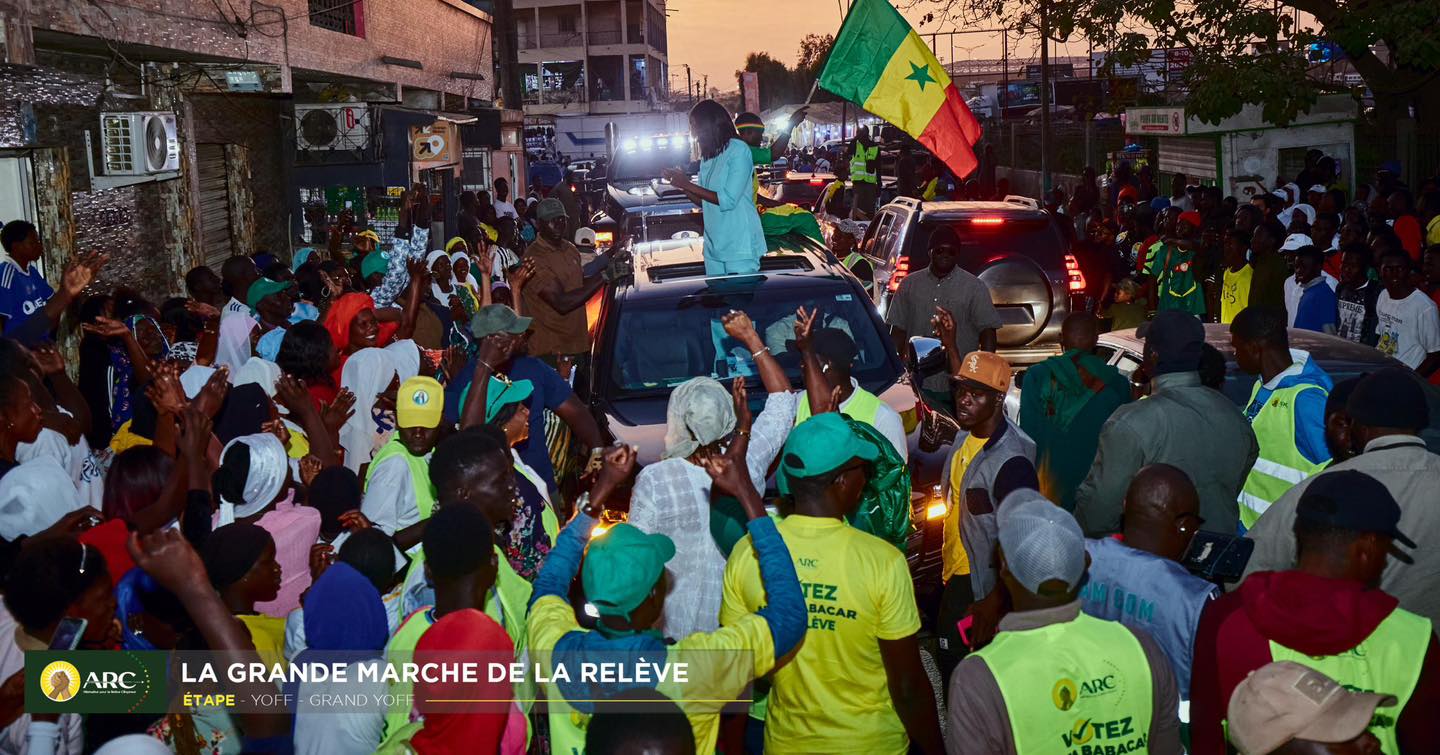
column 68, row 633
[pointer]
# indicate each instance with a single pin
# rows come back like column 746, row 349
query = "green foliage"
column 783, row 85
column 1242, row 51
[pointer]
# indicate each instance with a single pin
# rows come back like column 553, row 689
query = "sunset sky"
column 714, row 36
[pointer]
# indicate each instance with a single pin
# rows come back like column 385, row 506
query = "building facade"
column 175, row 133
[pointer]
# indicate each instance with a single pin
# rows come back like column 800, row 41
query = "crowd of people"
column 379, row 452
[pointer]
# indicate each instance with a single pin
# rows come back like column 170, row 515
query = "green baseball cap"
column 497, row 318
column 549, row 209
column 503, row 393
column 263, row 287
column 823, row 443
column 621, row 568
column 374, row 262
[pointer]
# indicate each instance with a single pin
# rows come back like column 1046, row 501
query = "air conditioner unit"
column 139, row 144
column 332, row 127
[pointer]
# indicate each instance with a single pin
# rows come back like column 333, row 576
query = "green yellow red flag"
column 880, row 63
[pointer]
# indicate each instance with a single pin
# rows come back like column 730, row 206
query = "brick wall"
column 444, row 35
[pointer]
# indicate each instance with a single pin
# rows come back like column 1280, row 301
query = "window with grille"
column 344, row 16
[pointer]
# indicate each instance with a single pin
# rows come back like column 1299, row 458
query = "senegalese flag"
column 880, row 63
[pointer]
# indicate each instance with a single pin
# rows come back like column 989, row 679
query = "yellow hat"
column 373, row 236
column 490, row 233
column 454, row 242
column 419, row 402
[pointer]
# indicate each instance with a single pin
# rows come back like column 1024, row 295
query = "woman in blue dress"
column 724, row 190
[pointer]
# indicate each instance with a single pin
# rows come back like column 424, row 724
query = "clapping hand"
column 49, row 358
column 210, row 398
column 106, row 327
column 165, row 391
column 335, row 414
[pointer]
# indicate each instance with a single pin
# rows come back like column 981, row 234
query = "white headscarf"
column 469, row 270
column 700, row 412
column 269, row 468
column 440, row 295
column 367, row 373
column 406, row 356
column 232, row 347
column 261, row 372
column 34, row 496
column 194, row 378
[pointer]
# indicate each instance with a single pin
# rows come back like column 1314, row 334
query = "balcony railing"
column 606, row 37
column 562, row 39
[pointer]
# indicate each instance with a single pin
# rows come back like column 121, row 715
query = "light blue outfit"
column 734, row 240
column 1144, row 591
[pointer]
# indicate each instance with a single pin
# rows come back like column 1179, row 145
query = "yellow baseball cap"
column 419, row 402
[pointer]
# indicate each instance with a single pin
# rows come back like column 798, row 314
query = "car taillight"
column 902, row 269
column 816, row 182
column 987, row 221
column 1072, row 271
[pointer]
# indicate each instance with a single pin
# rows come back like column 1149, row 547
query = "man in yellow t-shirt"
column 1235, row 287
column 832, row 696
column 624, row 579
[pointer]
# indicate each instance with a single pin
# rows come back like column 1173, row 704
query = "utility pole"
column 1044, row 97
column 689, row 87
column 706, row 90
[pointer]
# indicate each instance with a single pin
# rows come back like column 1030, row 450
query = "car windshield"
column 645, row 164
column 660, row 344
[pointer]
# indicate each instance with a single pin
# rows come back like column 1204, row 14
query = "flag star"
column 920, row 75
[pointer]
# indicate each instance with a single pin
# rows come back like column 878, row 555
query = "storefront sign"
column 1155, row 121
column 436, row 143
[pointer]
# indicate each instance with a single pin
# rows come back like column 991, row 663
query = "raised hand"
column 738, row 326
column 336, row 413
column 106, row 327
column 322, row 555
column 354, row 520
column 170, row 560
column 51, row 361
column 805, row 327
column 522, row 274
column 165, row 391
column 195, row 431
column 728, row 472
column 739, row 395
column 310, row 467
column 212, row 395
column 944, row 324
column 616, row 469
column 200, row 309
column 290, row 392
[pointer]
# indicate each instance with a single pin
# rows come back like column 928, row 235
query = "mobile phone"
column 68, row 634
column 1218, row 557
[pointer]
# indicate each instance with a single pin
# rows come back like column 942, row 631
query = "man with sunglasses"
column 1137, row 579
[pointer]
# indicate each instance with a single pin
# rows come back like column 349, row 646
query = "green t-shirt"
column 761, row 155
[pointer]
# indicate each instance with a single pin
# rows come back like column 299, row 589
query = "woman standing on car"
column 734, row 240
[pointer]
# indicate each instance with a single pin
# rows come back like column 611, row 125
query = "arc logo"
column 60, row 681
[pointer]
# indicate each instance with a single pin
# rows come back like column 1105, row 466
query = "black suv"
column 638, row 206
column 1015, row 249
column 657, row 328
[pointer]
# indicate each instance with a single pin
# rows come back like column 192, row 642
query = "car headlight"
column 936, row 510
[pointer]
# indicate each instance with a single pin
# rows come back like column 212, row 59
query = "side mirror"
column 924, row 357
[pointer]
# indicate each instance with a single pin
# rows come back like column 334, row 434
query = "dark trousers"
column 954, row 602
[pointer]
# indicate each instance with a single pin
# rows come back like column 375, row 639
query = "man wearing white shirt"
column 503, row 207
column 236, row 275
column 1408, row 324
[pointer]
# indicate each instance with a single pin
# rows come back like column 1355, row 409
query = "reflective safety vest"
column 862, row 406
column 1076, row 686
column 419, row 474
column 1280, row 464
column 931, row 189
column 1386, row 662
column 860, row 164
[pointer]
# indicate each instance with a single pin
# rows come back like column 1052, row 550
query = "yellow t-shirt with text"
column 1235, row 292
column 720, row 666
column 953, row 558
column 832, row 695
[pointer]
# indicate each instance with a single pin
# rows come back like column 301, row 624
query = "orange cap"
column 985, row 368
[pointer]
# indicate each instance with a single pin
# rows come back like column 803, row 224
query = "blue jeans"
column 731, row 267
